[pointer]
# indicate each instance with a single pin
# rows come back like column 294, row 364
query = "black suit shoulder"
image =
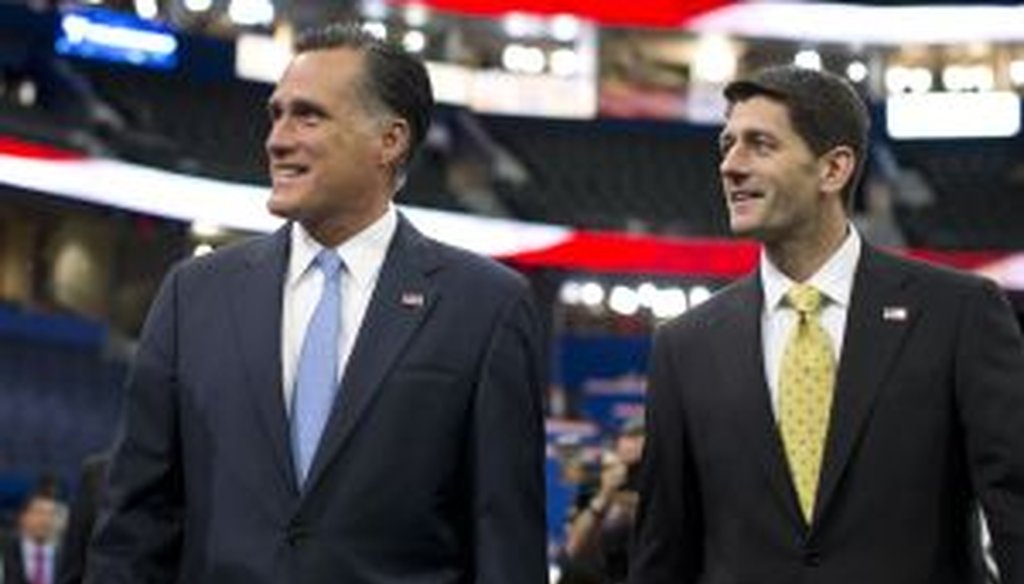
column 942, row 286
column 475, row 269
column 919, row 269
column 743, row 294
column 232, row 257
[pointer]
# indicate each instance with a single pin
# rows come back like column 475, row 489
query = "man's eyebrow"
column 299, row 105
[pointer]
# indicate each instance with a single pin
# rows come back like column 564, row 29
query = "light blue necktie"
column 316, row 381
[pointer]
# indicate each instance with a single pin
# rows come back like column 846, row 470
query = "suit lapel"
column 257, row 292
column 401, row 302
column 742, row 361
column 880, row 315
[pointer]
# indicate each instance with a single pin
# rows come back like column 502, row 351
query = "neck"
column 800, row 256
column 334, row 231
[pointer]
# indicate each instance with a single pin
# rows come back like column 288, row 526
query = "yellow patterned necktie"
column 806, row 380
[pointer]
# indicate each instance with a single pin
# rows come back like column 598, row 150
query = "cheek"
column 792, row 190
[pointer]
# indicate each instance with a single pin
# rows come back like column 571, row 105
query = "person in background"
column 345, row 400
column 838, row 416
column 597, row 547
column 29, row 557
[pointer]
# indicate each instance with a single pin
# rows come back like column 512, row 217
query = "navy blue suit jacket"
column 429, row 471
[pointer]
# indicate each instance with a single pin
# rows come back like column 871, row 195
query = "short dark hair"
column 394, row 78
column 41, row 492
column 824, row 108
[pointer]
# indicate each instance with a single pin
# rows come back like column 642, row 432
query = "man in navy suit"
column 427, row 463
column 838, row 416
column 29, row 555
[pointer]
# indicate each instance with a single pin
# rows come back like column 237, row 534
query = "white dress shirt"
column 28, row 559
column 834, row 280
column 363, row 255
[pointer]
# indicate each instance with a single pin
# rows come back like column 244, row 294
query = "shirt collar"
column 834, row 279
column 29, row 546
column 363, row 253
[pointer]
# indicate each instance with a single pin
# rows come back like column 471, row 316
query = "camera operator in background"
column 597, row 547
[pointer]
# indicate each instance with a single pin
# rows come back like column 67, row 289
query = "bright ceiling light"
column 1017, row 72
column 414, row 41
column 374, row 9
column 908, row 80
column 699, row 294
column 375, row 28
column 251, row 12
column 565, row 27
column 857, row 71
column 624, row 300
column 518, row 25
column 592, row 294
column 198, row 5
column 147, row 9
column 565, row 62
column 968, row 78
column 669, row 303
column 416, row 15
column 714, row 60
column 808, row 59
column 647, row 292
column 570, row 293
column 523, row 59
column 204, row 229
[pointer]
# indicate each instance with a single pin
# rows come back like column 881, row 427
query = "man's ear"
column 836, row 168
column 396, row 139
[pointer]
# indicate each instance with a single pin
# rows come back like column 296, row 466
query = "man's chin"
column 743, row 229
column 280, row 207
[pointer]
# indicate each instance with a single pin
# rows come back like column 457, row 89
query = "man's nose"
column 732, row 165
column 280, row 139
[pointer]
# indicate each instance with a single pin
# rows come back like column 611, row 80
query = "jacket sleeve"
column 990, row 391
column 507, row 450
column 667, row 545
column 137, row 539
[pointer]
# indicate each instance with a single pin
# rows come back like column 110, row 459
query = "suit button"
column 295, row 534
column 812, row 558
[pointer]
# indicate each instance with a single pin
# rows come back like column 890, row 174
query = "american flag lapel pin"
column 412, row 299
column 895, row 313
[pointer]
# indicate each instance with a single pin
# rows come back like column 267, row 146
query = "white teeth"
column 288, row 172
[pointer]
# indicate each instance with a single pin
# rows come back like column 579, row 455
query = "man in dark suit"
column 837, row 416
column 29, row 555
column 345, row 400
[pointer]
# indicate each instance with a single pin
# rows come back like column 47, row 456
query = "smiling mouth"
column 288, row 171
column 740, row 196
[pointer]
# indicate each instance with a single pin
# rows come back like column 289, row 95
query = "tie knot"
column 329, row 263
column 805, row 299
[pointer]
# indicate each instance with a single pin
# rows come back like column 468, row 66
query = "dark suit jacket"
column 13, row 562
column 430, row 468
column 82, row 518
column 928, row 417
